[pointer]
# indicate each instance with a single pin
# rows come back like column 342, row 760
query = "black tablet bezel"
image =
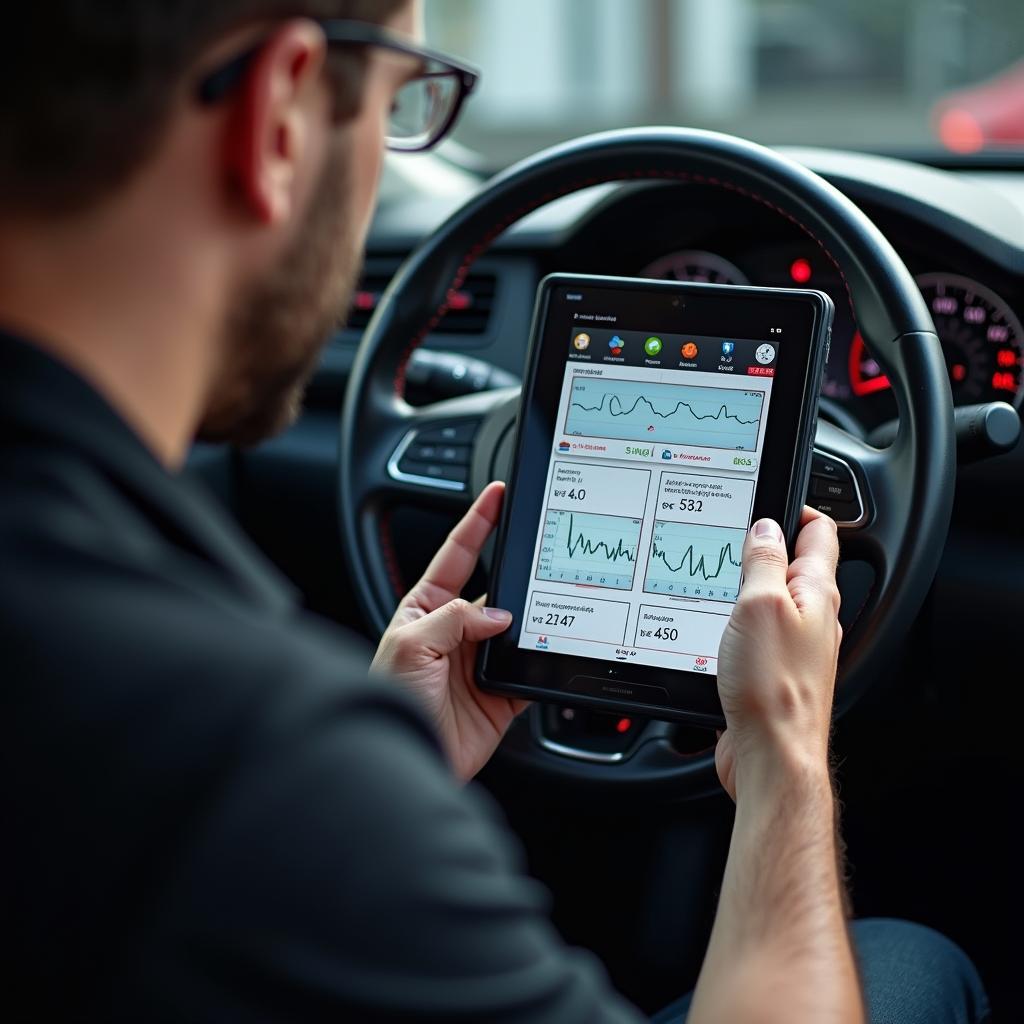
column 802, row 321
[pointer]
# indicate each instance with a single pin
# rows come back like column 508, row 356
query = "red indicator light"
column 800, row 271
column 958, row 372
column 1006, row 357
column 364, row 300
column 459, row 300
column 865, row 374
column 623, row 725
column 959, row 131
column 1003, row 381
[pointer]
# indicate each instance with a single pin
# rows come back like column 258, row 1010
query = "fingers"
column 451, row 567
column 817, row 554
column 446, row 627
column 765, row 559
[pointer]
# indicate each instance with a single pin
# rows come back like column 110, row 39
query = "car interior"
column 413, row 410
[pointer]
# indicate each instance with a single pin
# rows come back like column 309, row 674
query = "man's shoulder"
column 100, row 612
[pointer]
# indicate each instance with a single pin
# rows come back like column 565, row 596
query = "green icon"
column 652, row 346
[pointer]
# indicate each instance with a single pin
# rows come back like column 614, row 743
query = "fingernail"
column 768, row 528
column 498, row 614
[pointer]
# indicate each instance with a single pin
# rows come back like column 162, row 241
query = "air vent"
column 470, row 307
column 365, row 300
column 468, row 313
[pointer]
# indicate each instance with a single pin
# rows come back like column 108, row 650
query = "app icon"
column 652, row 346
column 765, row 353
column 563, row 446
column 728, row 348
column 581, row 342
column 666, row 453
column 689, row 350
column 615, row 344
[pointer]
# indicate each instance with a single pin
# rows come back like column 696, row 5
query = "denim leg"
column 911, row 975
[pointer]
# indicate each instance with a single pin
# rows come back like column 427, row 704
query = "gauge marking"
column 695, row 265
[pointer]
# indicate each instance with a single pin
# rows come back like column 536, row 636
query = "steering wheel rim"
column 907, row 488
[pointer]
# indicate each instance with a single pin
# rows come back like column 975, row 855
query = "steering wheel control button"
column 841, row 511
column 429, row 458
column 823, row 466
column 833, row 490
column 434, row 470
column 453, row 455
column 452, row 433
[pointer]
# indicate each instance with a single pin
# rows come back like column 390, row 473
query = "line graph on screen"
column 704, row 417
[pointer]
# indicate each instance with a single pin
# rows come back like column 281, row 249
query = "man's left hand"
column 429, row 647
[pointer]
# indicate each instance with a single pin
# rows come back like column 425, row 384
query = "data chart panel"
column 702, row 417
column 589, row 549
column 687, row 560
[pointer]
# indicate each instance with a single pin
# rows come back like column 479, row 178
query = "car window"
column 880, row 74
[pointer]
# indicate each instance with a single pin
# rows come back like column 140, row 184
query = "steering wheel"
column 903, row 493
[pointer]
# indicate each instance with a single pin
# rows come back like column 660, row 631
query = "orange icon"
column 689, row 350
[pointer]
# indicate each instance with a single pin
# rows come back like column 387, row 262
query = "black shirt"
column 209, row 812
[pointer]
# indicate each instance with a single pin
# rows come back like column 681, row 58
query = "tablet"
column 658, row 420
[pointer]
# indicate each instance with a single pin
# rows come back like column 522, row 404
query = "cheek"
column 367, row 161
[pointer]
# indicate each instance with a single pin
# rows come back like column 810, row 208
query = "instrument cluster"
column 981, row 334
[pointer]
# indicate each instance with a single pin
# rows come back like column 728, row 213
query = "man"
column 211, row 812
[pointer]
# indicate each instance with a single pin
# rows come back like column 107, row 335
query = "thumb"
column 765, row 559
column 448, row 626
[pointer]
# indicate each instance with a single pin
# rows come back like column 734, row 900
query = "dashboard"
column 981, row 334
column 695, row 234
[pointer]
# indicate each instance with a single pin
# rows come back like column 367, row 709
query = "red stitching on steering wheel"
column 475, row 252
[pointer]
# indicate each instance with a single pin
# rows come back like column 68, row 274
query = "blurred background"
column 887, row 75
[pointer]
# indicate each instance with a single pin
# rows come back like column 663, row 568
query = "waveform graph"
column 588, row 549
column 689, row 560
column 684, row 414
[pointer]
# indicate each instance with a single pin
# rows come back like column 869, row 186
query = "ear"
column 277, row 119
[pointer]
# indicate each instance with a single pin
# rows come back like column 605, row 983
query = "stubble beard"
column 277, row 330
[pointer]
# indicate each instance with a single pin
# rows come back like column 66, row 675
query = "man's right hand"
column 777, row 661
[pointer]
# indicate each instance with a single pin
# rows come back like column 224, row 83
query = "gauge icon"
column 765, row 354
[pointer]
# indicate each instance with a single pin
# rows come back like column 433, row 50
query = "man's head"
column 271, row 185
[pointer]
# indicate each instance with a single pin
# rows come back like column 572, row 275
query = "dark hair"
column 87, row 86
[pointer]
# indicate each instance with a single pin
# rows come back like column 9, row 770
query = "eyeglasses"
column 425, row 107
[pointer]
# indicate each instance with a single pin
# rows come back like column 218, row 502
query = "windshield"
column 887, row 75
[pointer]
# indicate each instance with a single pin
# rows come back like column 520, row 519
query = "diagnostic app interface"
column 650, row 489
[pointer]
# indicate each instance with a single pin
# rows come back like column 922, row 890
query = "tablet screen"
column 650, row 487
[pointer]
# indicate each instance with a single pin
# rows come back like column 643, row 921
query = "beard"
column 277, row 330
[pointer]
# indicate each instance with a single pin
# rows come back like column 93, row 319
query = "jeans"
column 911, row 974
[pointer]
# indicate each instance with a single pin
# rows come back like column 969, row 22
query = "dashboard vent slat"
column 469, row 313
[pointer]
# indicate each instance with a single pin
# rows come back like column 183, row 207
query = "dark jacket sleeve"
column 344, row 876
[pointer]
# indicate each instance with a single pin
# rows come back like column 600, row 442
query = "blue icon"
column 666, row 454
column 727, row 348
column 615, row 345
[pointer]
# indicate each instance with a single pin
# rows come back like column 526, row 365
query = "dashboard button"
column 834, row 490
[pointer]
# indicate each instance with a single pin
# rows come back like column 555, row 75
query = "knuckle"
column 402, row 645
column 766, row 555
column 764, row 601
column 457, row 607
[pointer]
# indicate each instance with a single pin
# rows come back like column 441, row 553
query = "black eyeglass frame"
column 341, row 32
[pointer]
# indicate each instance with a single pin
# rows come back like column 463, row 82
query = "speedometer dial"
column 695, row 265
column 982, row 339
